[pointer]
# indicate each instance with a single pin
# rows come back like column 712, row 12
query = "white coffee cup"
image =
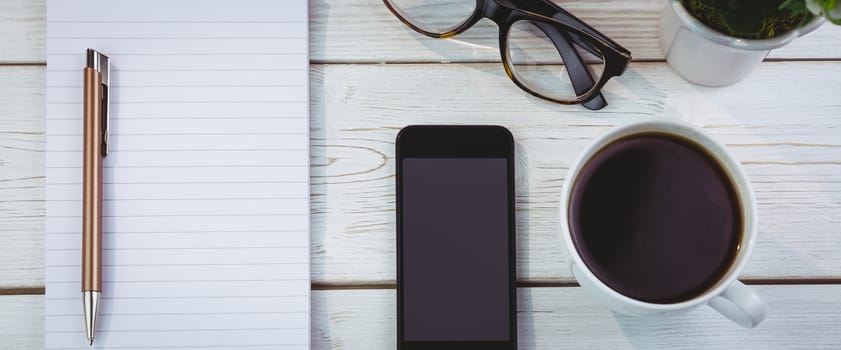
column 728, row 296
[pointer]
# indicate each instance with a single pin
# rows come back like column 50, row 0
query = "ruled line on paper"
column 183, row 102
column 117, row 54
column 177, row 199
column 154, row 265
column 182, row 166
column 206, row 198
column 183, row 249
column 114, row 86
column 172, row 38
column 222, row 297
column 176, row 183
column 186, row 330
column 244, row 118
column 178, row 22
column 173, row 232
column 188, row 347
column 191, row 281
column 77, row 135
column 185, row 70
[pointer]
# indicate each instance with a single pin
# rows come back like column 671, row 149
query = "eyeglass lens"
column 542, row 57
column 435, row 16
column 537, row 62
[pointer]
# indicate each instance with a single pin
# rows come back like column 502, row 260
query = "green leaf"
column 794, row 5
column 826, row 4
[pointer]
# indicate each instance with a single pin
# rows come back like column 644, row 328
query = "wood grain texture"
column 782, row 123
column 791, row 152
column 23, row 31
column 344, row 31
column 790, row 149
column 22, row 176
column 22, row 322
column 799, row 317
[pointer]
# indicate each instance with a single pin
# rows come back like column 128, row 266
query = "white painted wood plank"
column 823, row 43
column 806, row 317
column 21, row 322
column 364, row 31
column 790, row 147
column 799, row 316
column 23, row 31
column 22, row 111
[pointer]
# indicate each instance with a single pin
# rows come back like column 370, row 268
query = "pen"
column 95, row 149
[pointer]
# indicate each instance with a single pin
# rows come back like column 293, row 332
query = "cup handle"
column 740, row 304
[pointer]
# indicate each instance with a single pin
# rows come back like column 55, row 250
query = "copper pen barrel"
column 92, row 183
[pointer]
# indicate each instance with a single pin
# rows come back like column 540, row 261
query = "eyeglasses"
column 545, row 50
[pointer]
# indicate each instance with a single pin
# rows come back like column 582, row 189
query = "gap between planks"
column 367, row 62
column 636, row 60
column 22, row 291
column 573, row 284
column 22, row 64
column 521, row 284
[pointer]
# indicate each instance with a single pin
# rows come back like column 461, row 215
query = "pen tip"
column 91, row 304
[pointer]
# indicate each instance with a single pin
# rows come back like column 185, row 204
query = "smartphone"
column 456, row 238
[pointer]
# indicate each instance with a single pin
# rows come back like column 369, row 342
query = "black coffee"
column 655, row 218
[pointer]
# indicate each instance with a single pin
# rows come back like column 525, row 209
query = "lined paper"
column 206, row 194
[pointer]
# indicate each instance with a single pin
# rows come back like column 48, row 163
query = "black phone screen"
column 455, row 249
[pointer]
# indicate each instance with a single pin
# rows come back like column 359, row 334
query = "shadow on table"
column 525, row 320
column 320, row 323
column 480, row 44
column 522, row 212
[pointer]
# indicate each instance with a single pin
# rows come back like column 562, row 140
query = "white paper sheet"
column 206, row 239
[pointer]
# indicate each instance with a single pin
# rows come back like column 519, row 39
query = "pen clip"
column 102, row 64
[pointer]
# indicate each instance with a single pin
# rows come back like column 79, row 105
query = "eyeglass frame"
column 566, row 29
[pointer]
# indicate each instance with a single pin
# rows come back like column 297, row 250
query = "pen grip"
column 92, row 183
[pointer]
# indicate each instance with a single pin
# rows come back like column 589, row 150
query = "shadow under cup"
column 656, row 217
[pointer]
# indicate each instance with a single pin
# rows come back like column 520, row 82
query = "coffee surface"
column 655, row 218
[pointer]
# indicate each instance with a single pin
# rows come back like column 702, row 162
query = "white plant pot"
column 707, row 57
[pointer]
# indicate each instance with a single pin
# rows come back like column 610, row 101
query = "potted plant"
column 719, row 42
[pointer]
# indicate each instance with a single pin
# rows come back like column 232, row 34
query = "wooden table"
column 370, row 76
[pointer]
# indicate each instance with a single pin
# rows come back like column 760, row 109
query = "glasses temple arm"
column 582, row 79
column 551, row 10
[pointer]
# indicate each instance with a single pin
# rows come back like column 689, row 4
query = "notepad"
column 206, row 214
